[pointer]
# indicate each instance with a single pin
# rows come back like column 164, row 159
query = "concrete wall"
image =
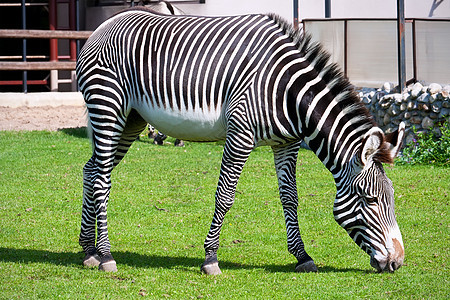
column 236, row 7
column 308, row 9
column 94, row 16
column 374, row 8
column 316, row 8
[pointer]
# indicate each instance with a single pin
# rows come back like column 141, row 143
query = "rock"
column 445, row 92
column 436, row 107
column 424, row 98
column 410, row 106
column 437, row 131
column 445, row 112
column 403, row 107
column 366, row 100
column 409, row 138
column 434, row 88
column 389, row 130
column 427, row 123
column 416, row 120
column 398, row 98
column 393, row 111
column 415, row 93
column 446, row 104
column 407, row 115
column 405, row 97
column 417, row 87
column 386, row 119
column 425, row 107
column 433, row 97
column 434, row 116
column 387, row 86
column 379, row 95
column 385, row 101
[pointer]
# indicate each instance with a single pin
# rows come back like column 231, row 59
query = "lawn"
column 160, row 209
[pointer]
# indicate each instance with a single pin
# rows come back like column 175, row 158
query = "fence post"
column 401, row 44
column 296, row 14
column 24, row 48
column 73, row 43
column 53, row 45
column 327, row 8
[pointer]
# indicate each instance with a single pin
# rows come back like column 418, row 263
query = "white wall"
column 283, row 8
column 316, row 8
column 374, row 8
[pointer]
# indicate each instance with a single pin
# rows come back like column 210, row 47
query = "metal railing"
column 356, row 44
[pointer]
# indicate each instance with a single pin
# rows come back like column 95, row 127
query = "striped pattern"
column 251, row 80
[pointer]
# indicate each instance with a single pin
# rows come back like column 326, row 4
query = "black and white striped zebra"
column 251, row 80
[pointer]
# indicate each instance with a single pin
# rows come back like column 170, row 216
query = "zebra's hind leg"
column 110, row 145
column 236, row 151
column 285, row 163
column 87, row 235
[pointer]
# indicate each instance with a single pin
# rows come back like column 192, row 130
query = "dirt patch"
column 42, row 118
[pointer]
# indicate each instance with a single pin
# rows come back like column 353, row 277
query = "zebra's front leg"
column 235, row 155
column 285, row 163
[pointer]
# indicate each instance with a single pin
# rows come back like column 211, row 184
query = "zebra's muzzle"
column 392, row 262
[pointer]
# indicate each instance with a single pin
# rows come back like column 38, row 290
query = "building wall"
column 374, row 9
column 316, row 8
column 283, row 8
column 308, row 9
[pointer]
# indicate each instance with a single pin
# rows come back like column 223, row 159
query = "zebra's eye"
column 371, row 200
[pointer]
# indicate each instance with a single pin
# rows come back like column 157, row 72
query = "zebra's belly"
column 186, row 125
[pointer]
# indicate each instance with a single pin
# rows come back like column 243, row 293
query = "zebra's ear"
column 371, row 144
column 395, row 139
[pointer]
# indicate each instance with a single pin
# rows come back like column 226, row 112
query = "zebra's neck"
column 331, row 117
column 321, row 105
column 332, row 131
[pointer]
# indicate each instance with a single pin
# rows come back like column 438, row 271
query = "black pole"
column 296, row 14
column 24, row 48
column 401, row 44
column 327, row 8
column 77, row 22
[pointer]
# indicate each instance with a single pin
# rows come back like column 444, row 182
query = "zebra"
column 251, row 80
column 167, row 8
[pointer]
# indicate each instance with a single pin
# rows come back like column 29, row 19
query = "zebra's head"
column 364, row 204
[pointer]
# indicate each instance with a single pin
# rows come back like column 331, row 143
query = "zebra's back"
column 182, row 73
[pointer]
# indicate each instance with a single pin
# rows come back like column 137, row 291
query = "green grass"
column 159, row 252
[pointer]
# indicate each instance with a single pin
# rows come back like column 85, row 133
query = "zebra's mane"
column 333, row 76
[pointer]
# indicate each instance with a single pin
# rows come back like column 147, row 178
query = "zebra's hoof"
column 91, row 260
column 109, row 266
column 306, row 267
column 178, row 143
column 211, row 269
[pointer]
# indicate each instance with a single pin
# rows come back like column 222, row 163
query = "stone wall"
column 420, row 106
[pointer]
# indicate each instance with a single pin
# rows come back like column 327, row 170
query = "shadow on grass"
column 79, row 132
column 145, row 261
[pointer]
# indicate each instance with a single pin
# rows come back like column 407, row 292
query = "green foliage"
column 428, row 148
column 161, row 205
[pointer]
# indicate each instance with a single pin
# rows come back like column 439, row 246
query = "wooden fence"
column 40, row 34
